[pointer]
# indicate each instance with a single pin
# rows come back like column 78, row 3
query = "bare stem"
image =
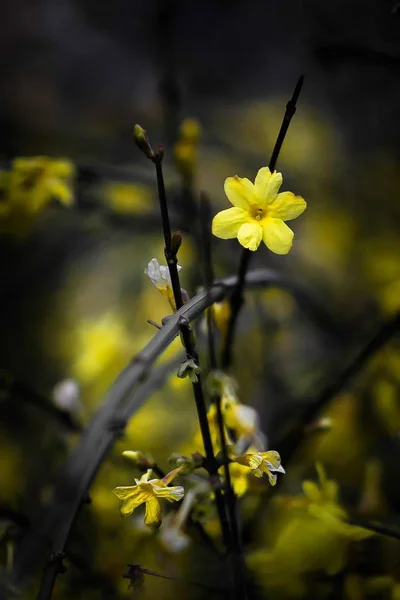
column 238, row 560
column 191, row 352
column 237, row 298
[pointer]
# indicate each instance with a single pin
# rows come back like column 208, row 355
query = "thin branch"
column 237, row 298
column 205, row 232
column 25, row 394
column 293, row 439
column 191, row 353
column 205, row 222
column 377, row 528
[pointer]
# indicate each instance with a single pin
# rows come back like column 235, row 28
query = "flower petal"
column 171, row 475
column 59, row 190
column 267, row 185
column 242, row 418
column 271, row 476
column 146, row 476
column 277, row 236
column 250, row 235
column 153, row 271
column 240, row 192
column 272, row 458
column 227, row 223
column 287, row 206
column 174, row 492
column 152, row 517
column 132, row 496
column 312, row 491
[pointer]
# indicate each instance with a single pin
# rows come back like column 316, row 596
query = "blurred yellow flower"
column 240, row 418
column 102, row 348
column 45, row 178
column 148, row 491
column 239, row 477
column 324, row 506
column 30, row 186
column 262, row 462
column 185, row 149
column 128, row 198
column 259, row 212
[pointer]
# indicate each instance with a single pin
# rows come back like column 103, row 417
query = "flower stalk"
column 237, row 298
column 191, row 353
column 238, row 560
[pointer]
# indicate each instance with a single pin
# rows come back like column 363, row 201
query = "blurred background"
column 79, row 223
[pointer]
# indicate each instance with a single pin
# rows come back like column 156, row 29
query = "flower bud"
column 142, row 141
column 137, row 458
column 179, row 460
column 176, row 242
column 189, row 369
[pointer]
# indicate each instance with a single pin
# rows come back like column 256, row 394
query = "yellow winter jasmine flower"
column 258, row 212
column 262, row 462
column 185, row 149
column 29, row 187
column 239, row 477
column 242, row 419
column 324, row 506
column 160, row 277
column 44, row 178
column 102, row 348
column 148, row 491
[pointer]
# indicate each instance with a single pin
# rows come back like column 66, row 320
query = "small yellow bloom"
column 259, row 212
column 148, row 491
column 239, row 477
column 262, row 462
column 185, row 149
column 324, row 506
column 29, row 187
column 160, row 277
column 242, row 419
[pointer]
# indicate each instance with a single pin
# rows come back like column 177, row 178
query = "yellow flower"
column 29, row 187
column 185, row 149
column 324, row 506
column 262, row 462
column 102, row 348
column 161, row 279
column 148, row 491
column 258, row 212
column 127, row 198
column 239, row 477
column 44, row 178
column 242, row 419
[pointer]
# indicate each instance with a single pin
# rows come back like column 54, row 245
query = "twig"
column 31, row 397
column 237, row 298
column 205, row 222
column 294, row 438
column 377, row 528
column 191, row 352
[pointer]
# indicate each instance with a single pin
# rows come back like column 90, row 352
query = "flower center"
column 258, row 214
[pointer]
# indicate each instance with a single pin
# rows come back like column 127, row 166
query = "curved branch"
column 125, row 396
